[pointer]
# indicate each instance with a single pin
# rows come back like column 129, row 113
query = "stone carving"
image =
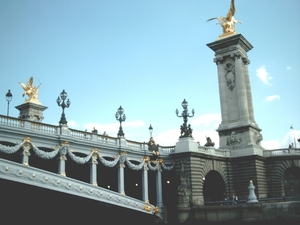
column 209, row 143
column 30, row 90
column 258, row 138
column 246, row 61
column 227, row 23
column 153, row 148
column 230, row 76
column 184, row 191
column 236, row 55
column 233, row 139
column 218, row 60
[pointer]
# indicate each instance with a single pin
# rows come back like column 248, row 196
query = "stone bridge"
column 124, row 174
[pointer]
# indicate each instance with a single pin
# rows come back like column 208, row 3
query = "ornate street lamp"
column 186, row 130
column 150, row 130
column 120, row 118
column 8, row 99
column 63, row 96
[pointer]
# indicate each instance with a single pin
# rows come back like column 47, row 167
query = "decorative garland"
column 9, row 149
column 64, row 149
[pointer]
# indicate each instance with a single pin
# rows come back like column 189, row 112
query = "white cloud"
column 263, row 75
column 73, row 124
column 207, row 120
column 291, row 137
column 288, row 67
column 167, row 138
column 271, row 144
column 272, row 97
column 203, row 126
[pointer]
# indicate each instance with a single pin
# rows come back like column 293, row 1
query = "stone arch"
column 213, row 186
column 292, row 182
column 278, row 173
column 219, row 167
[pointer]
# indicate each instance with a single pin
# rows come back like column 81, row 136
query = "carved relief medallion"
column 230, row 76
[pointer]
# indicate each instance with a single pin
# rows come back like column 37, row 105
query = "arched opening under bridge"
column 213, row 187
column 292, row 182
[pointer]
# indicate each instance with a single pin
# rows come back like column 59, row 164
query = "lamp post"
column 8, row 99
column 63, row 96
column 294, row 136
column 186, row 130
column 121, row 119
column 150, row 130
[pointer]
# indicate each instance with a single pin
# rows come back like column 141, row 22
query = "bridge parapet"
column 214, row 151
column 58, row 131
column 281, row 152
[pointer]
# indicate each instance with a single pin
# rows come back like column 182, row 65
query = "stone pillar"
column 121, row 166
column 186, row 144
column 145, row 183
column 93, row 170
column 159, row 199
column 238, row 131
column 31, row 111
column 62, row 165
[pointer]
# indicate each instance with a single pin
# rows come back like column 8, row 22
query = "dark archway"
column 292, row 182
column 213, row 187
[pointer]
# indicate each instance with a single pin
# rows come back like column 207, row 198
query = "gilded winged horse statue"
column 228, row 22
column 30, row 90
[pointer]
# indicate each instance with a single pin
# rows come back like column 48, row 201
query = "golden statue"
column 228, row 22
column 31, row 91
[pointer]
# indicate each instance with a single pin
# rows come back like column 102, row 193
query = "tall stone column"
column 238, row 130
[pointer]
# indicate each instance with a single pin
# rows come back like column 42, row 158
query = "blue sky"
column 147, row 56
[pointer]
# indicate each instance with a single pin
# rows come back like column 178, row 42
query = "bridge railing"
column 78, row 134
column 213, row 151
column 244, row 201
column 11, row 121
column 281, row 152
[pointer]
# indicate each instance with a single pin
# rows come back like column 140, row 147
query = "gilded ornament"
column 31, row 91
column 227, row 23
column 155, row 210
column 147, row 208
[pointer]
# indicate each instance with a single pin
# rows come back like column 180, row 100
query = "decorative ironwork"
column 63, row 96
column 121, row 119
column 186, row 130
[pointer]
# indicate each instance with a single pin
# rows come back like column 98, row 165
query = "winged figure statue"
column 30, row 90
column 228, row 22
